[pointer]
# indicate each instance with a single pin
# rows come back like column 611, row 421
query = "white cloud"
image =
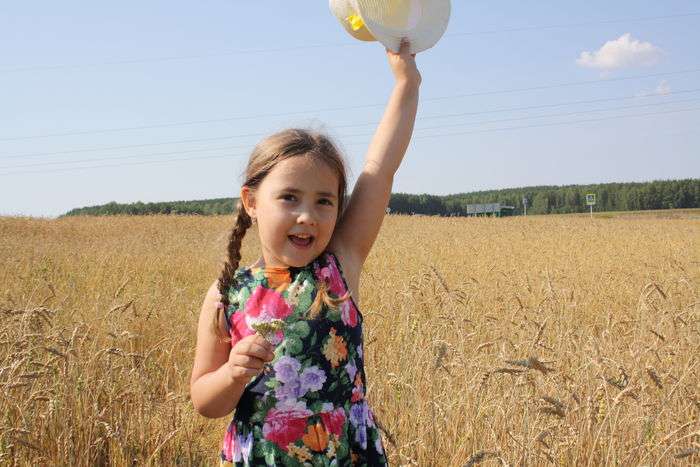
column 662, row 89
column 623, row 52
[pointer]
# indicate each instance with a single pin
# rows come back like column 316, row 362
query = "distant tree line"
column 667, row 194
column 560, row 199
column 206, row 207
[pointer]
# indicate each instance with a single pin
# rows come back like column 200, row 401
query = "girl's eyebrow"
column 297, row 191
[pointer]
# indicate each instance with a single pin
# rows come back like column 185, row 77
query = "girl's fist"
column 248, row 357
column 403, row 65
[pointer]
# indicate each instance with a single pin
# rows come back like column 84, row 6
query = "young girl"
column 298, row 384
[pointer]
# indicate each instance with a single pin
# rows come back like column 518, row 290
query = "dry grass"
column 515, row 341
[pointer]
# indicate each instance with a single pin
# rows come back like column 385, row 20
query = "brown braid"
column 241, row 225
column 324, row 296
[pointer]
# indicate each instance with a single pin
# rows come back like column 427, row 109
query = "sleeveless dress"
column 308, row 407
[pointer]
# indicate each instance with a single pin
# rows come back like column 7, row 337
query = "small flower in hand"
column 267, row 329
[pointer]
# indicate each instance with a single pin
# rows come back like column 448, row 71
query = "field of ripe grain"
column 518, row 341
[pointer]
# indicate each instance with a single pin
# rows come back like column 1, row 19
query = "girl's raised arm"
column 355, row 235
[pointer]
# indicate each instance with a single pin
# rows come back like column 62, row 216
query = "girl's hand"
column 403, row 65
column 248, row 357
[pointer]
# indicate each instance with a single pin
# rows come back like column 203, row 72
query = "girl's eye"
column 326, row 201
column 288, row 197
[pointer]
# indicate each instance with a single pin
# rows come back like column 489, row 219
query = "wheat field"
column 518, row 341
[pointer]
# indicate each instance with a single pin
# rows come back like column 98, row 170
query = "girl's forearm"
column 216, row 394
column 394, row 132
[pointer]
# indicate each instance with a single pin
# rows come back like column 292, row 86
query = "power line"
column 71, row 169
column 137, row 156
column 562, row 104
column 428, row 117
column 331, row 45
column 566, row 114
column 616, row 117
column 330, row 109
column 574, row 25
column 131, row 146
column 570, row 84
column 485, row 122
column 133, row 61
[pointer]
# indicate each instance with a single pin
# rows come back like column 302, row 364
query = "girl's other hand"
column 403, row 65
column 248, row 357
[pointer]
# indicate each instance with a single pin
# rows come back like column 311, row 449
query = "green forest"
column 667, row 194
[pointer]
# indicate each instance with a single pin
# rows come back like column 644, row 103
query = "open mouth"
column 301, row 241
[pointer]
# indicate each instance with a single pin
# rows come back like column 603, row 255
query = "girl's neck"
column 260, row 264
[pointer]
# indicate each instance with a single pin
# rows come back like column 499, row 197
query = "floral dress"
column 308, row 407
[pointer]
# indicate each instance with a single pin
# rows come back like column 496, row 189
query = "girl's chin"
column 301, row 256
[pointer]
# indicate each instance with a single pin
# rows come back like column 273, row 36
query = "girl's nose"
column 305, row 216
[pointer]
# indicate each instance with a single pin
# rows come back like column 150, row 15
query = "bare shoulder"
column 352, row 268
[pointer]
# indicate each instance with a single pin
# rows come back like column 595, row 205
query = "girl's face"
column 296, row 208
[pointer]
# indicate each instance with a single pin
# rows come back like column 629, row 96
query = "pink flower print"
column 236, row 447
column 239, row 328
column 348, row 313
column 265, row 305
column 286, row 423
column 334, row 421
column 331, row 276
column 357, row 394
column 229, row 442
column 276, row 338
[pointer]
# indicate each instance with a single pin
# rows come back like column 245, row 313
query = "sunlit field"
column 516, row 341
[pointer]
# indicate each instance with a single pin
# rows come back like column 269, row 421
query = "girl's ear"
column 248, row 200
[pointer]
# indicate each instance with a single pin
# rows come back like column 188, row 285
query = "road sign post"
column 590, row 201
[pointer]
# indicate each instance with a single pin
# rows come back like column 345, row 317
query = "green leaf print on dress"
column 299, row 329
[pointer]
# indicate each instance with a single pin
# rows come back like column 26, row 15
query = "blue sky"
column 501, row 97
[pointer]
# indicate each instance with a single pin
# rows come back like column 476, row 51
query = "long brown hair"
column 267, row 154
